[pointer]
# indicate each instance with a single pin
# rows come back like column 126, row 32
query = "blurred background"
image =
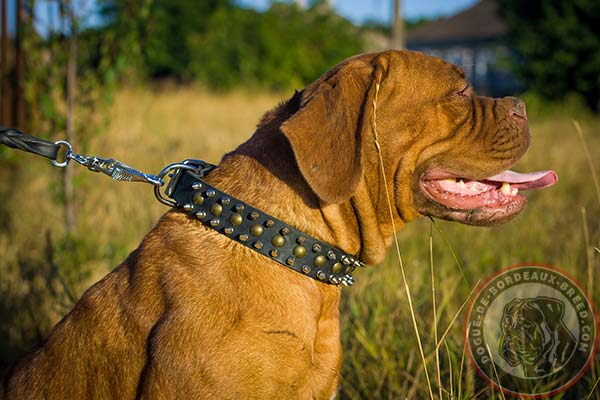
column 151, row 82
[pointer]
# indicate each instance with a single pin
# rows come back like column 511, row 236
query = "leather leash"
column 239, row 221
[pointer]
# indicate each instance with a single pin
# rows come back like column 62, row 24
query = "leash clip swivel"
column 116, row 169
column 120, row 171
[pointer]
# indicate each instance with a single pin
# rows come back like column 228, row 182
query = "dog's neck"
column 283, row 193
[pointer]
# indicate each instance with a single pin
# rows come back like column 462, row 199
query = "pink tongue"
column 531, row 180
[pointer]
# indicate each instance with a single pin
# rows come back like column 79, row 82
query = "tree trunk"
column 5, row 92
column 398, row 40
column 70, row 133
column 19, row 98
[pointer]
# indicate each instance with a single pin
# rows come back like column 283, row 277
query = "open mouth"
column 497, row 196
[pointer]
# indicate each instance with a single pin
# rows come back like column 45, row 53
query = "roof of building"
column 479, row 22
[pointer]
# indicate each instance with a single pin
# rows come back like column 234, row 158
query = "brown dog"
column 192, row 314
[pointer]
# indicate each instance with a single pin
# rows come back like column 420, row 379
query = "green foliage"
column 282, row 47
column 559, row 45
column 573, row 104
column 222, row 46
column 170, row 24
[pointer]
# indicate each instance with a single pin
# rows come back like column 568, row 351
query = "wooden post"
column 70, row 131
column 398, row 40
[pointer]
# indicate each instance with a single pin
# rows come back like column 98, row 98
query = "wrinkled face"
column 454, row 147
column 522, row 334
column 445, row 149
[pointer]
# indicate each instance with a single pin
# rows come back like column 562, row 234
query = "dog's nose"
column 518, row 109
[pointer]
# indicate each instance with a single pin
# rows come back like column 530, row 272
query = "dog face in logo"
column 535, row 336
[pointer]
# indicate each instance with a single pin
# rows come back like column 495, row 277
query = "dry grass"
column 149, row 129
column 381, row 359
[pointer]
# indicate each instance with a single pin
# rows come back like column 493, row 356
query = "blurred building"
column 475, row 40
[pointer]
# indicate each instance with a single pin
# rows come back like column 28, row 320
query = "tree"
column 558, row 42
column 281, row 48
column 170, row 25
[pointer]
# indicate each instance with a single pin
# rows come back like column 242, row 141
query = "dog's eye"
column 466, row 91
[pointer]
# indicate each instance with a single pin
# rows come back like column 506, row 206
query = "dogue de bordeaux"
column 193, row 314
column 535, row 336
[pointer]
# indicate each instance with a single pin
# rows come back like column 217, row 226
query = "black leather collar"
column 257, row 230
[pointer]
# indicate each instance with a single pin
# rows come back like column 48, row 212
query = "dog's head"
column 530, row 328
column 444, row 150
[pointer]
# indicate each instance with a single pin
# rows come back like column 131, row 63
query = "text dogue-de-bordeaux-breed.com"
column 202, row 310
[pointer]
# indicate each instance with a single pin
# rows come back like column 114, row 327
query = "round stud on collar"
column 215, row 222
column 290, row 260
column 269, row 223
column 299, row 251
column 331, row 255
column 254, row 215
column 188, row 207
column 305, row 269
column 316, row 247
column 258, row 244
column 278, row 241
column 236, row 219
column 197, row 185
column 225, row 200
column 198, row 198
column 337, row 268
column 274, row 253
column 334, row 279
column 228, row 230
column 256, row 230
column 239, row 207
column 216, row 209
column 321, row 275
column 350, row 269
column 243, row 237
column 320, row 261
column 210, row 193
column 285, row 230
column 346, row 260
column 301, row 240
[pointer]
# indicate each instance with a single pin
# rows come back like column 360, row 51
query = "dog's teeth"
column 450, row 180
column 461, row 183
column 514, row 191
column 505, row 188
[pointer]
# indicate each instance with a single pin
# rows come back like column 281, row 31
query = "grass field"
column 42, row 271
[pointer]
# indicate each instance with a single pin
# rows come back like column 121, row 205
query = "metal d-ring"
column 161, row 175
column 68, row 154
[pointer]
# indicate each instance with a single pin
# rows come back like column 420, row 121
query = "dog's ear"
column 552, row 309
column 327, row 133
